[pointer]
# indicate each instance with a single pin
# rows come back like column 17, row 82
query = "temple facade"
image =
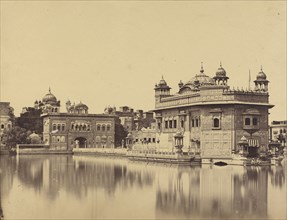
column 211, row 116
column 75, row 128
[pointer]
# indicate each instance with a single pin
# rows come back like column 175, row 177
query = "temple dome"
column 196, row 82
column 201, row 79
column 49, row 98
column 81, row 106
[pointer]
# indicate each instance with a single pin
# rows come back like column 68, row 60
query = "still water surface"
column 83, row 187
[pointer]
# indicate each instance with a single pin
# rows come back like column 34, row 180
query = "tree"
column 11, row 115
column 14, row 136
column 31, row 120
column 120, row 133
column 146, row 123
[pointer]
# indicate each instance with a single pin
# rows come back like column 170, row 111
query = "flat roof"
column 78, row 115
column 216, row 103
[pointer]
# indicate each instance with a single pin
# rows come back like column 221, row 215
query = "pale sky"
column 113, row 53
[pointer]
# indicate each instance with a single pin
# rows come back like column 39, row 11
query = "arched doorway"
column 81, row 142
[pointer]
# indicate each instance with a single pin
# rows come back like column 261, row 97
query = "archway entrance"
column 81, row 142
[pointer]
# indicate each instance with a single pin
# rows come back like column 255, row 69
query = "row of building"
column 76, row 127
column 211, row 117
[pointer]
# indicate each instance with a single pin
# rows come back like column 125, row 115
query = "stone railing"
column 111, row 151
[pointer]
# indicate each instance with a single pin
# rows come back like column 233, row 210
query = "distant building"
column 210, row 115
column 126, row 116
column 5, row 122
column 278, row 131
column 76, row 128
column 144, row 139
column 130, row 119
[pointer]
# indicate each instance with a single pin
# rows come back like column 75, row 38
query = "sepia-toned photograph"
column 157, row 109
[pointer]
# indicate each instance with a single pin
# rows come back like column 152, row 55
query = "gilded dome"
column 196, row 82
column 49, row 98
column 201, row 79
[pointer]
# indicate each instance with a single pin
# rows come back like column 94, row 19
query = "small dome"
column 180, row 84
column 261, row 75
column 34, row 138
column 220, row 71
column 243, row 141
column 81, row 106
column 243, row 138
column 49, row 98
column 162, row 82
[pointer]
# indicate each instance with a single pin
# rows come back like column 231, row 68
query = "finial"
column 261, row 69
column 49, row 89
column 201, row 70
column 161, row 76
column 220, row 64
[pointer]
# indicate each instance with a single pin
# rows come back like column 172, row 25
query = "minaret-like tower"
column 220, row 76
column 261, row 82
column 161, row 90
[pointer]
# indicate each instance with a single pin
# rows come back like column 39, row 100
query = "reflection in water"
column 116, row 188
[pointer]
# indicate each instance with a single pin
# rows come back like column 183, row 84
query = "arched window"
column 84, row 127
column 247, row 121
column 192, row 123
column 196, row 122
column 76, row 127
column 174, row 123
column 98, row 139
column 281, row 131
column 255, row 121
column 88, row 128
column 72, row 126
column 170, row 124
column 59, row 127
column 98, row 127
column 108, row 127
column 63, row 127
column 284, row 130
column 2, row 126
column 103, row 127
column 216, row 123
column 54, row 127
column 182, row 124
column 109, row 142
column 9, row 126
column 56, row 110
column 166, row 124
